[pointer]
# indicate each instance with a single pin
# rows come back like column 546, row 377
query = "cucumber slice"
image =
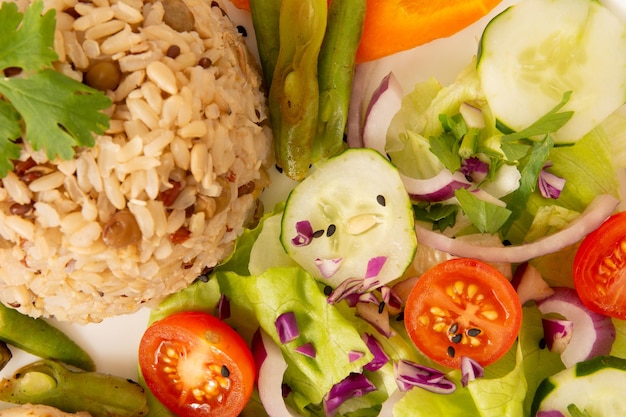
column 350, row 218
column 537, row 50
column 595, row 386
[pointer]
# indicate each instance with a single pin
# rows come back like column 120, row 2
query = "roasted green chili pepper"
column 265, row 18
column 294, row 93
column 50, row 383
column 40, row 338
column 335, row 73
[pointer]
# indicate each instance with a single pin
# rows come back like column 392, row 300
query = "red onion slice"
column 271, row 368
column 383, row 106
column 470, row 370
column 598, row 211
column 557, row 334
column 593, row 334
column 438, row 188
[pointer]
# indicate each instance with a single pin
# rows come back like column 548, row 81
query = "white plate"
column 113, row 343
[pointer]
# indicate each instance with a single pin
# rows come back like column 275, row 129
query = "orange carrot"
column 396, row 25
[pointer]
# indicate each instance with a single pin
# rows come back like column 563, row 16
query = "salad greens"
column 57, row 111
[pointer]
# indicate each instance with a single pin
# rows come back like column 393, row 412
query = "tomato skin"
column 599, row 268
column 188, row 350
column 463, row 307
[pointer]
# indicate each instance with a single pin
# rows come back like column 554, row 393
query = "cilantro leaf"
column 26, row 40
column 59, row 112
column 487, row 217
column 10, row 130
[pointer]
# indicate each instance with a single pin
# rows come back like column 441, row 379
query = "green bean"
column 40, row 338
column 335, row 73
column 294, row 93
column 265, row 18
column 49, row 382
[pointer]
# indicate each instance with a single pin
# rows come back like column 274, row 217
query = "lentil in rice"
column 170, row 185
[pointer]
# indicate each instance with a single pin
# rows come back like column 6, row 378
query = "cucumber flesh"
column 595, row 386
column 537, row 50
column 360, row 211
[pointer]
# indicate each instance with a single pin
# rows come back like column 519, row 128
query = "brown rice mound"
column 170, row 185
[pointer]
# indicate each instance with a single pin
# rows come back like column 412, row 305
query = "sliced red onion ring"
column 470, row 370
column 271, row 368
column 597, row 211
column 438, row 188
column 475, row 169
column 557, row 334
column 287, row 327
column 529, row 284
column 387, row 408
column 410, row 374
column 354, row 385
column 377, row 318
column 380, row 357
column 383, row 106
column 593, row 334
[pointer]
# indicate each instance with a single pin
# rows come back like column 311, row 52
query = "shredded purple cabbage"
column 380, row 357
column 549, row 184
column 304, row 232
column 470, row 370
column 328, row 267
column 354, row 385
column 307, row 349
column 287, row 327
column 355, row 355
column 550, row 413
column 410, row 374
column 374, row 266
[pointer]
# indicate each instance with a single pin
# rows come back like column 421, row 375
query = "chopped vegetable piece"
column 409, row 374
column 355, row 385
column 470, row 370
column 595, row 385
column 537, row 50
column 287, row 327
column 351, row 211
column 265, row 19
column 50, row 383
column 599, row 267
column 463, row 307
column 40, row 338
column 335, row 73
column 294, row 94
column 58, row 112
column 395, row 25
column 197, row 365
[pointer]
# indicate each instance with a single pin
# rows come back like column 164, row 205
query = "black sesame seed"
column 380, row 199
column 381, row 307
column 473, row 332
column 279, row 169
column 242, row 30
column 456, row 338
column 318, row 233
column 454, row 328
column 328, row 290
column 224, row 371
column 542, row 343
column 506, row 242
column 451, row 351
column 400, row 317
column 331, row 230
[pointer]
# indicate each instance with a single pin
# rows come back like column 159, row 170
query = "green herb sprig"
column 41, row 106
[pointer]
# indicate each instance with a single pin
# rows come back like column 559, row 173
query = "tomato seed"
column 451, row 351
column 456, row 338
column 454, row 328
column 473, row 332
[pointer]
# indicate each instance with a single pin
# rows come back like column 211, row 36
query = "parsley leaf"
column 45, row 108
column 487, row 217
column 27, row 40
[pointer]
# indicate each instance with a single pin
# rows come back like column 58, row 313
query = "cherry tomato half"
column 463, row 307
column 197, row 365
column 600, row 268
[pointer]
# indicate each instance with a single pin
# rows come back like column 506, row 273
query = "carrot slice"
column 396, row 25
column 241, row 4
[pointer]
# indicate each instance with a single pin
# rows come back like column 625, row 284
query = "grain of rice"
column 162, row 76
column 127, row 13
